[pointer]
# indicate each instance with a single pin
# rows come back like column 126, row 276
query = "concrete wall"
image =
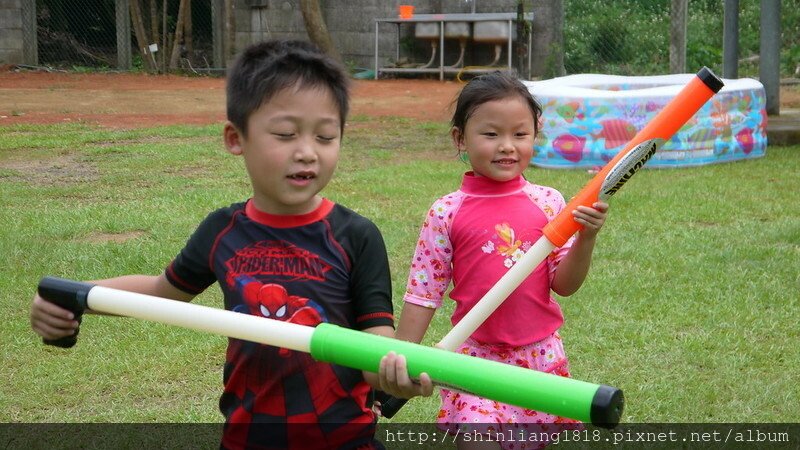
column 351, row 24
column 18, row 32
column 352, row 27
column 11, row 43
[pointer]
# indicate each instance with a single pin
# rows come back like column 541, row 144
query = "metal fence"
column 76, row 34
column 632, row 37
column 624, row 37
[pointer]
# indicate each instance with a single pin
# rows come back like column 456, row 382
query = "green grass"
column 691, row 306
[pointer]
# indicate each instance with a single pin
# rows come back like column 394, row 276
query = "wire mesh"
column 632, row 37
column 75, row 34
column 623, row 37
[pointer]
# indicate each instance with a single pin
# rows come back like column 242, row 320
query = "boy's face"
column 290, row 150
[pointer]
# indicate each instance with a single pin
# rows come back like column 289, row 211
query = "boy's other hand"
column 395, row 381
column 51, row 321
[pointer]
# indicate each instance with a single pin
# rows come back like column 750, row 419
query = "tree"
column 677, row 35
column 230, row 31
column 316, row 28
column 141, row 36
column 177, row 43
column 154, row 21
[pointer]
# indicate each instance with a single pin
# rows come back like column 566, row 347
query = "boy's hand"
column 592, row 218
column 394, row 380
column 51, row 321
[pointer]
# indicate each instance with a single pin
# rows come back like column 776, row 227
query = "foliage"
column 631, row 37
column 609, row 41
column 603, row 37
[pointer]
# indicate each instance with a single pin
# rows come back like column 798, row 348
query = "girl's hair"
column 264, row 69
column 489, row 87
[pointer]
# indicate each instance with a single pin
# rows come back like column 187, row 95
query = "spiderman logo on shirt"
column 274, row 302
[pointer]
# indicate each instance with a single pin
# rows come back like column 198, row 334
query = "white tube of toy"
column 200, row 318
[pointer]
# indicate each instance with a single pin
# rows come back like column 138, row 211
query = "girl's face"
column 290, row 150
column 498, row 138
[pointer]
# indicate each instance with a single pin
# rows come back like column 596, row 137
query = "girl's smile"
column 498, row 138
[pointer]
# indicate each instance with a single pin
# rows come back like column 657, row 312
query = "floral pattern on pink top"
column 508, row 246
column 431, row 269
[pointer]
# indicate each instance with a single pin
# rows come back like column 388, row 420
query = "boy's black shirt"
column 326, row 266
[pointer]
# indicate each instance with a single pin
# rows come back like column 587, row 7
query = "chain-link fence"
column 623, row 37
column 71, row 34
column 632, row 37
column 77, row 34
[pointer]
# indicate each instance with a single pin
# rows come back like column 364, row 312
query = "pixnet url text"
column 588, row 436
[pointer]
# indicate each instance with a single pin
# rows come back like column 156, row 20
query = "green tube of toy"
column 566, row 397
column 599, row 404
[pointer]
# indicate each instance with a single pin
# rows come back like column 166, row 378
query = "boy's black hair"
column 489, row 87
column 264, row 69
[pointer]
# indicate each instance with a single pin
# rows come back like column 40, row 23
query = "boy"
column 287, row 254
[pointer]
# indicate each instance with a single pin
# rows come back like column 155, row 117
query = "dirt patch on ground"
column 99, row 238
column 64, row 170
column 141, row 100
column 790, row 96
column 134, row 100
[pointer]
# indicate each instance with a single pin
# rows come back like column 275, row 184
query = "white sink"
column 494, row 32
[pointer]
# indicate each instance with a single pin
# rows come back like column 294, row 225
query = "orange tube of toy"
column 660, row 129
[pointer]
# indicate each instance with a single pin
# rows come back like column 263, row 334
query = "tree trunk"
column 188, row 34
column 769, row 61
column 521, row 43
column 154, row 20
column 316, row 29
column 164, row 36
column 730, row 39
column 141, row 36
column 177, row 43
column 229, row 45
column 558, row 45
column 677, row 36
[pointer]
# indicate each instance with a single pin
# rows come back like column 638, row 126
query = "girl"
column 474, row 235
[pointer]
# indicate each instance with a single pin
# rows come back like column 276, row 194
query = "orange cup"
column 406, row 11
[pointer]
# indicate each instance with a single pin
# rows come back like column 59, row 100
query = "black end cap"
column 607, row 406
column 712, row 81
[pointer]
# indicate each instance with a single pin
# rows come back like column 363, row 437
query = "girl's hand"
column 592, row 218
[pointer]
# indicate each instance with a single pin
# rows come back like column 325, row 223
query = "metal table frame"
column 511, row 18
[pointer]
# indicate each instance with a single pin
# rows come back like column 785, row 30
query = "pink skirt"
column 465, row 414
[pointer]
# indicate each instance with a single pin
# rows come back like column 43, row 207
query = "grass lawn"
column 691, row 306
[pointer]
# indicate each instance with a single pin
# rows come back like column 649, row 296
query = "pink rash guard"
column 472, row 237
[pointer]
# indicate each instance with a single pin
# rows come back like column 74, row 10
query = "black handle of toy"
column 70, row 295
column 391, row 406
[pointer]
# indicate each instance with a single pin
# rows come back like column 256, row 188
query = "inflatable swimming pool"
column 589, row 118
